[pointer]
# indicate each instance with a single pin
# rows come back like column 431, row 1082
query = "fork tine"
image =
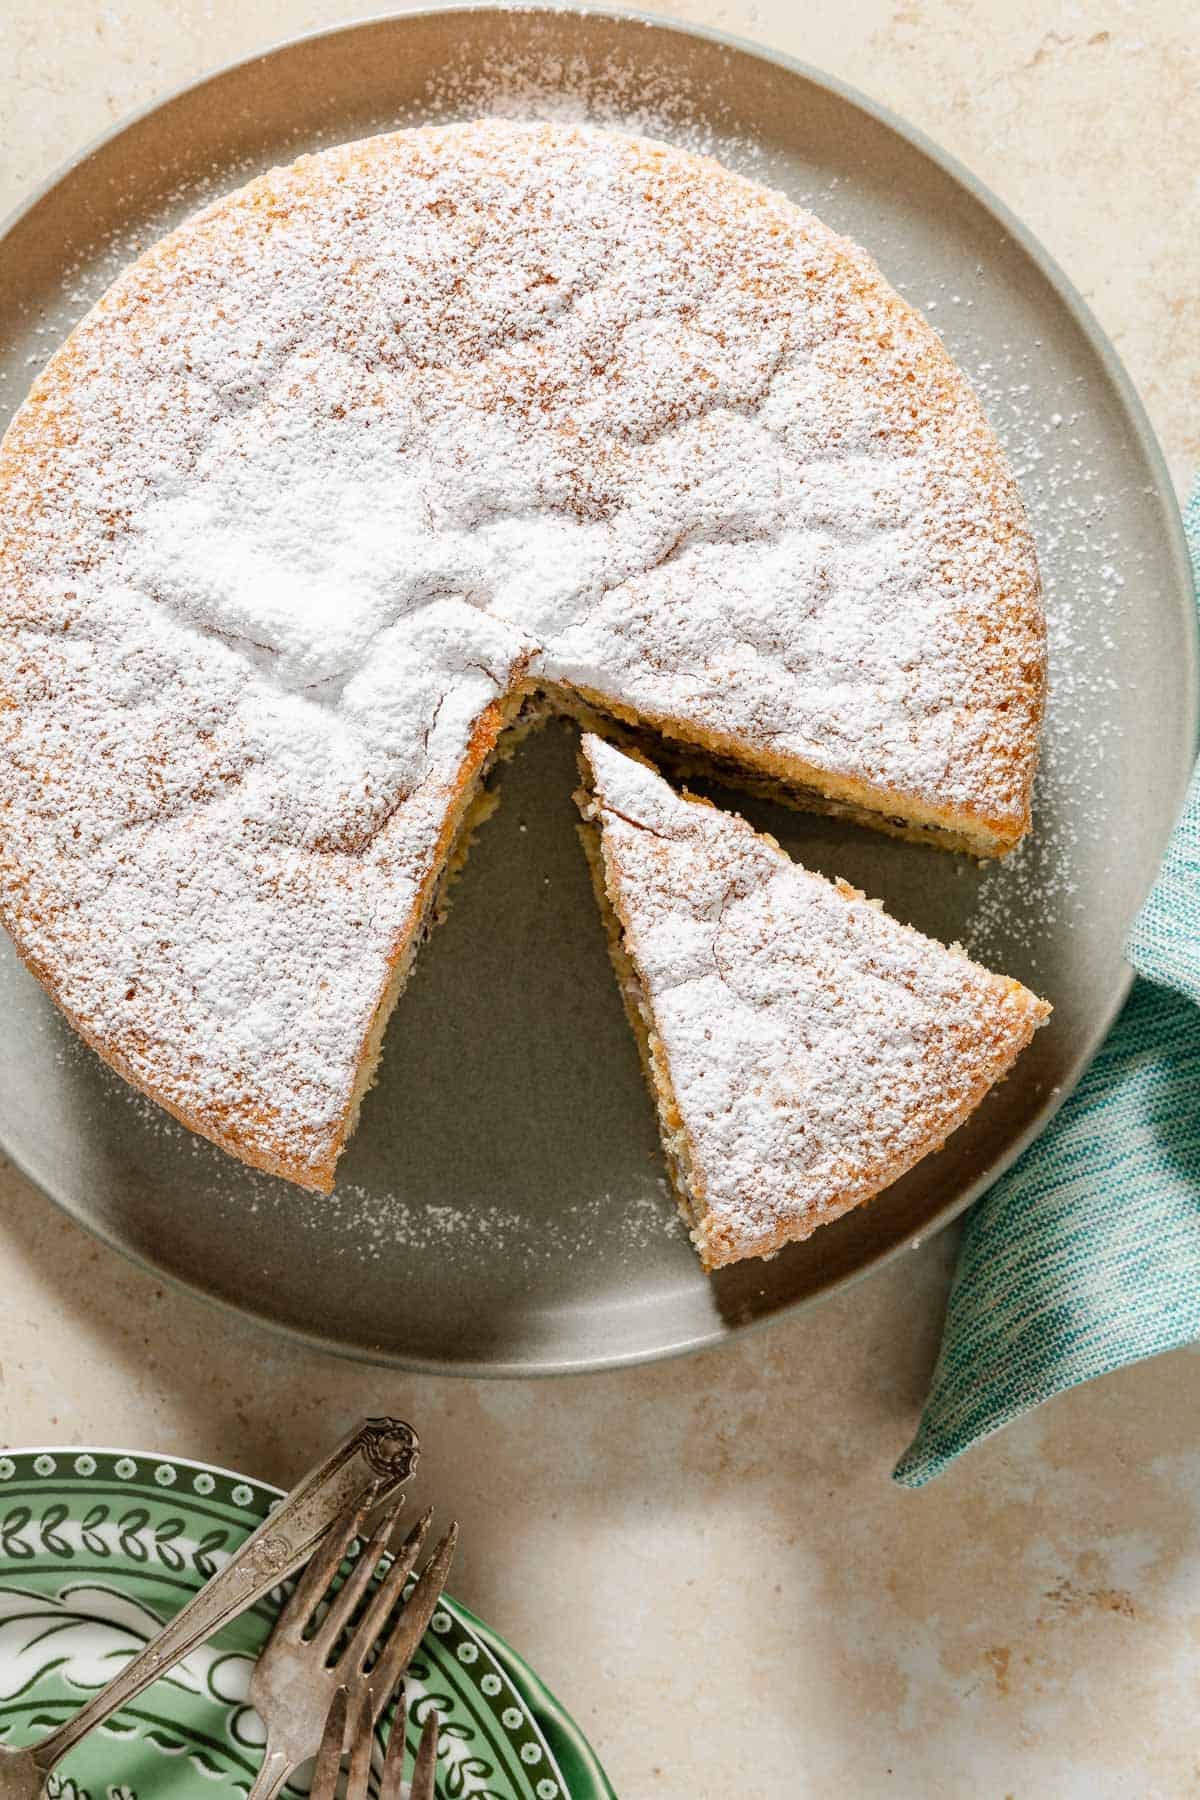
column 362, row 1739
column 343, row 1603
column 406, row 1556
column 326, row 1561
column 384, row 1600
column 393, row 1765
column 425, row 1767
column 329, row 1756
column 410, row 1627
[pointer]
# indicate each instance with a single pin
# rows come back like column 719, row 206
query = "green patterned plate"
column 98, row 1547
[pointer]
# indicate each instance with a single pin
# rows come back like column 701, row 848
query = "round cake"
column 392, row 443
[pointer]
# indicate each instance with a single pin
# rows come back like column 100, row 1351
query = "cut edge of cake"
column 497, row 736
column 757, row 768
column 715, row 1246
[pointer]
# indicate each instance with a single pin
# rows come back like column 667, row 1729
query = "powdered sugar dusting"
column 816, row 1049
column 525, row 83
column 390, row 434
column 435, row 1229
column 1088, row 569
column 632, row 96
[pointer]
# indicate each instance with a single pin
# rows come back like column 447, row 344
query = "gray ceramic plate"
column 502, row 1208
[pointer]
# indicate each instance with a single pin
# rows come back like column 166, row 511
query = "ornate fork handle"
column 378, row 1456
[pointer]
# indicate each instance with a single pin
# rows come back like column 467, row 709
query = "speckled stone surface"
column 706, row 1559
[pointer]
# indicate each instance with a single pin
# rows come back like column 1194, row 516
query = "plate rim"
column 539, row 1699
column 720, row 1331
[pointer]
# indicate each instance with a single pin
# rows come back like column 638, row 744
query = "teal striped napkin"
column 1086, row 1254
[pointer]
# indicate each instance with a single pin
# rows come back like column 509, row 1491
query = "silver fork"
column 362, row 1738
column 380, row 1451
column 298, row 1675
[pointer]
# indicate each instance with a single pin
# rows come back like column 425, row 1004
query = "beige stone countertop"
column 705, row 1558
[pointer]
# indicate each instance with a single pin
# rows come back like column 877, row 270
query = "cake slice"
column 803, row 1049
